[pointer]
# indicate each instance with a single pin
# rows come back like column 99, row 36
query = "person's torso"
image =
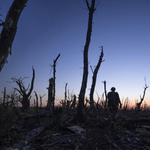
column 113, row 97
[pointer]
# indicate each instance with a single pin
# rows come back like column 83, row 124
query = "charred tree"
column 141, row 99
column 4, row 99
column 105, row 94
column 3, row 110
column 66, row 93
column 50, row 94
column 95, row 77
column 14, row 101
column 9, row 29
column 7, row 97
column 54, row 76
column 25, row 101
column 41, row 100
column 37, row 105
column 73, row 103
column 91, row 9
column 51, row 88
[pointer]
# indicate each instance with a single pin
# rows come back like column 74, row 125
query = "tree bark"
column 105, row 94
column 4, row 100
column 91, row 10
column 37, row 105
column 54, row 76
column 41, row 100
column 50, row 94
column 95, row 77
column 9, row 30
column 66, row 93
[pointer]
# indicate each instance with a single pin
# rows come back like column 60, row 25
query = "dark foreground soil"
column 59, row 131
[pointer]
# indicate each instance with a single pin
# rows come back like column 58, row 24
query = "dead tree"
column 51, row 88
column 95, row 77
column 68, row 104
column 7, row 97
column 87, row 101
column 14, row 101
column 25, row 101
column 105, row 93
column 37, row 104
column 41, row 100
column 141, row 99
column 50, row 94
column 73, row 103
column 97, row 103
column 3, row 110
column 54, row 76
column 9, row 29
column 4, row 99
column 91, row 9
column 65, row 93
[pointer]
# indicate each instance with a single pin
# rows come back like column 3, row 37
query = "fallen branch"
column 110, row 142
column 28, row 138
column 44, row 114
column 143, row 132
column 138, row 120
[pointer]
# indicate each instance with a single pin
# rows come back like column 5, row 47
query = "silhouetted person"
column 113, row 102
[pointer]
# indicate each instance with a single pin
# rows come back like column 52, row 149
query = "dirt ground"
column 59, row 131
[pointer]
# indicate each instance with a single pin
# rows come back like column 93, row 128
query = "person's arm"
column 119, row 100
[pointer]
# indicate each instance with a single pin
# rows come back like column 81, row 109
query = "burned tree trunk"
column 51, row 88
column 50, row 94
column 66, row 93
column 73, row 103
column 139, row 104
column 9, row 30
column 41, row 100
column 3, row 109
column 94, row 78
column 54, row 76
column 4, row 99
column 37, row 104
column 22, row 90
column 91, row 10
column 105, row 93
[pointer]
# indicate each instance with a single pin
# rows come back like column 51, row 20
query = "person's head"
column 113, row 89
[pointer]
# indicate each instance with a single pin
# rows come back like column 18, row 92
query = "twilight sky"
column 47, row 28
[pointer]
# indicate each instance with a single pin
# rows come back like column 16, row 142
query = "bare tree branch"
column 19, row 91
column 87, row 3
column 32, row 82
column 95, row 77
column 139, row 104
column 92, row 69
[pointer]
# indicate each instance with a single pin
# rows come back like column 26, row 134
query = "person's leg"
column 111, row 109
column 115, row 112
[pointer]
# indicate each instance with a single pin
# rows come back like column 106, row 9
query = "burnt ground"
column 59, row 131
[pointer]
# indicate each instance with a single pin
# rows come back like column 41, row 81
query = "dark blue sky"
column 47, row 28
